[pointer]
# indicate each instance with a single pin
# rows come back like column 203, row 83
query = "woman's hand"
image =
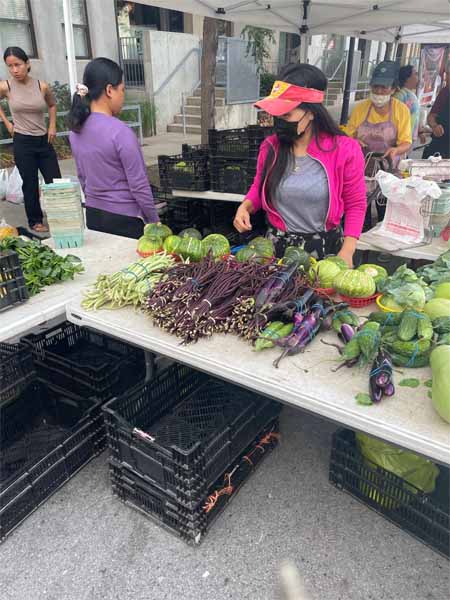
column 438, row 131
column 391, row 153
column 51, row 134
column 10, row 128
column 348, row 250
column 347, row 255
column 242, row 218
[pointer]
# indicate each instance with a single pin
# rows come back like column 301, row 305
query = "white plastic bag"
column 3, row 183
column 405, row 220
column 14, row 192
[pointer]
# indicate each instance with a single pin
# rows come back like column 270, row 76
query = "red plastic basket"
column 358, row 302
column 146, row 254
column 325, row 292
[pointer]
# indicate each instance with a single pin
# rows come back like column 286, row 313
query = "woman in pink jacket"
column 310, row 176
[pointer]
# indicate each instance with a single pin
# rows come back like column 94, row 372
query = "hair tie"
column 81, row 89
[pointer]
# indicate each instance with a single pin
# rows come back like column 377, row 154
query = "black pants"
column 108, row 222
column 32, row 154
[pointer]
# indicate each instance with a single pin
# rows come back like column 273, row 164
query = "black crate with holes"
column 426, row 516
column 46, row 435
column 184, row 428
column 16, row 371
column 232, row 175
column 13, row 289
column 84, row 361
column 186, row 171
column 237, row 143
column 192, row 522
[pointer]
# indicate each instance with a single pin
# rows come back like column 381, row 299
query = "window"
column 80, row 28
column 16, row 26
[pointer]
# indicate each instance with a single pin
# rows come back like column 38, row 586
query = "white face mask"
column 380, row 100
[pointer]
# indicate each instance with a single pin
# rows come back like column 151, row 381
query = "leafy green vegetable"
column 428, row 383
column 412, row 383
column 363, row 399
column 437, row 272
column 40, row 264
column 405, row 288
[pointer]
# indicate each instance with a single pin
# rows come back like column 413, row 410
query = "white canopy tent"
column 429, row 20
column 407, row 21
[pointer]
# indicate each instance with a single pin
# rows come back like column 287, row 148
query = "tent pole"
column 70, row 44
column 348, row 82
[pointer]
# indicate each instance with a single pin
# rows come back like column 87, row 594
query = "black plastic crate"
column 191, row 524
column 182, row 428
column 46, row 436
column 186, row 171
column 232, row 175
column 426, row 516
column 12, row 283
column 84, row 361
column 184, row 213
column 16, row 371
column 237, row 143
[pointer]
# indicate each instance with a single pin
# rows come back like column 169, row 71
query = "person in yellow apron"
column 382, row 123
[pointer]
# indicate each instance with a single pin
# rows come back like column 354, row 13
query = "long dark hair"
column 98, row 74
column 18, row 53
column 303, row 75
column 404, row 74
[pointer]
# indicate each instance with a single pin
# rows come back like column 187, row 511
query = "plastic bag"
column 420, row 472
column 7, row 230
column 405, row 221
column 3, row 183
column 14, row 192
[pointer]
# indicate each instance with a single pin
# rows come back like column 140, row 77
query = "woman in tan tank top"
column 29, row 99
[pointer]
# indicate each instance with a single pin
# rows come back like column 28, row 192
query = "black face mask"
column 287, row 130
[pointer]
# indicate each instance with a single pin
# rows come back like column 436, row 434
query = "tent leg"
column 304, row 44
column 348, row 82
column 70, row 44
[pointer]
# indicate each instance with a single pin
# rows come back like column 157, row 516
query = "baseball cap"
column 385, row 73
column 284, row 97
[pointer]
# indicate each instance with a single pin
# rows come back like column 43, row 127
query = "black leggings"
column 108, row 222
column 32, row 154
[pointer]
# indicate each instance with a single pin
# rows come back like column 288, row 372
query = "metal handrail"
column 176, row 69
column 132, row 124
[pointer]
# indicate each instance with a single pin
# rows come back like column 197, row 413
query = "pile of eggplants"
column 309, row 314
column 381, row 381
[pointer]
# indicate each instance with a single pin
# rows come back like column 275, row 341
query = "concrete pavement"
column 84, row 544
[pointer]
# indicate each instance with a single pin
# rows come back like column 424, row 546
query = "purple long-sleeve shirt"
column 111, row 168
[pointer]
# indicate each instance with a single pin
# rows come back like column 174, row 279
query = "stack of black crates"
column 234, row 153
column 52, row 387
column 183, row 444
column 13, row 290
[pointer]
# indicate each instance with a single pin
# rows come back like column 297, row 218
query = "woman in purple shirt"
column 109, row 160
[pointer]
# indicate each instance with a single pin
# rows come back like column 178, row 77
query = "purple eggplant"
column 376, row 392
column 347, row 332
column 389, row 390
column 302, row 335
column 383, row 379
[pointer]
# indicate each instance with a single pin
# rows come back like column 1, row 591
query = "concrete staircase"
column 193, row 112
column 334, row 94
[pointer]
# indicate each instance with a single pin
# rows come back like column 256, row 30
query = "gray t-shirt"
column 303, row 196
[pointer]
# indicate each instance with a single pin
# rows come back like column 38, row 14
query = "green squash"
column 354, row 284
column 246, row 253
column 158, row 230
column 440, row 391
column 263, row 246
column 150, row 244
column 375, row 271
column 191, row 232
column 171, row 244
column 296, row 254
column 217, row 243
column 191, row 248
column 325, row 270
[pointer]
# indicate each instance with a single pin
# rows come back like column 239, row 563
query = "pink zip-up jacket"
column 343, row 161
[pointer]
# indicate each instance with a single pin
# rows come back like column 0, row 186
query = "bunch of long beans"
column 199, row 299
